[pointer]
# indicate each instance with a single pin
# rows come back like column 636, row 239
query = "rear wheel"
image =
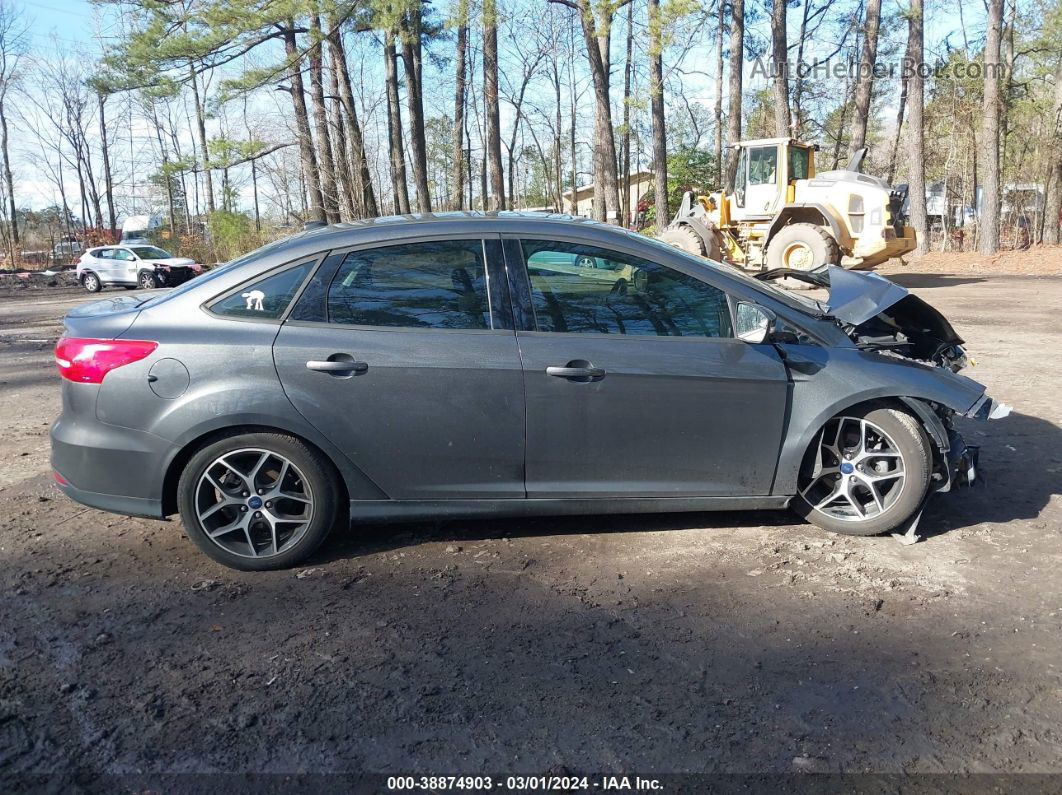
column 91, row 282
column 867, row 472
column 258, row 501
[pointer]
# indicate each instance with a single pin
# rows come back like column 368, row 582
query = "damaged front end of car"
column 882, row 317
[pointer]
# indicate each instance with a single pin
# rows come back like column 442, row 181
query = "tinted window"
column 105, row 253
column 763, row 164
column 418, row 285
column 265, row 299
column 798, row 163
column 580, row 289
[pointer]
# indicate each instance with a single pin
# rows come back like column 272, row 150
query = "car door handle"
column 576, row 372
column 337, row 366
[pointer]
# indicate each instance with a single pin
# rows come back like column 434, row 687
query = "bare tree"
column 307, row 151
column 780, row 65
column 12, row 48
column 394, row 126
column 737, row 57
column 597, row 25
column 718, row 110
column 656, row 104
column 1053, row 206
column 365, row 195
column 329, row 197
column 490, row 99
column 865, row 80
column 916, row 177
column 988, row 222
column 411, row 30
column 460, row 74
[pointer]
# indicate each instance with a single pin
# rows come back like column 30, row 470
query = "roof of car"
column 499, row 218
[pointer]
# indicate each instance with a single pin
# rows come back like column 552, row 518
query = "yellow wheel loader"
column 782, row 214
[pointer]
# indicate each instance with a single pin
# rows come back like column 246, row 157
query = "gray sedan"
column 503, row 364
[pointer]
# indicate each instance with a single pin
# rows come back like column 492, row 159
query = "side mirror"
column 752, row 322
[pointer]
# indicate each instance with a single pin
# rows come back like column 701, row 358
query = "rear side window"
column 439, row 284
column 265, row 299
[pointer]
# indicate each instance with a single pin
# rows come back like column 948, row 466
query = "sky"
column 72, row 25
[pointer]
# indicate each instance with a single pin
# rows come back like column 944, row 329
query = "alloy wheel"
column 254, row 503
column 859, row 471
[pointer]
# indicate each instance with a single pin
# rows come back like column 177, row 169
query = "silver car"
column 467, row 364
column 133, row 267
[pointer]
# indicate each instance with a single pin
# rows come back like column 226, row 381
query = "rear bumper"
column 111, row 468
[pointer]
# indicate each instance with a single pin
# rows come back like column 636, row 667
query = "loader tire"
column 684, row 238
column 802, row 247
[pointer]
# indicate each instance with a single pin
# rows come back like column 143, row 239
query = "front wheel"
column 146, row 280
column 258, row 501
column 867, row 472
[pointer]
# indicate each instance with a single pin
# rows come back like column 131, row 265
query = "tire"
column 308, row 474
column 91, row 282
column 146, row 280
column 903, row 434
column 802, row 247
column 682, row 237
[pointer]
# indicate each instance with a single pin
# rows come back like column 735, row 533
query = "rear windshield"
column 210, row 275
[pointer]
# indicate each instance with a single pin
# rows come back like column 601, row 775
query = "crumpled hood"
column 856, row 296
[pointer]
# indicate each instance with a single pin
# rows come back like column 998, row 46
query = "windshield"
column 209, row 275
column 150, row 252
column 790, row 299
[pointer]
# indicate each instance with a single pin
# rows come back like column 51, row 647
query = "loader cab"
column 766, row 176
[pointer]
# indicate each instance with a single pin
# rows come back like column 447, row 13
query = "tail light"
column 87, row 361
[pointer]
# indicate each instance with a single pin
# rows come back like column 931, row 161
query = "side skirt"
column 401, row 510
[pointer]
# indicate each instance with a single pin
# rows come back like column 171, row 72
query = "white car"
column 132, row 267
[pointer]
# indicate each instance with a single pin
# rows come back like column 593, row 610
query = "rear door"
column 405, row 356
column 634, row 382
column 103, row 264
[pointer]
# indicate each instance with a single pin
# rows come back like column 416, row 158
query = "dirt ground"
column 736, row 642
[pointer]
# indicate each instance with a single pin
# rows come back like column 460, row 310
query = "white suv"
column 133, row 266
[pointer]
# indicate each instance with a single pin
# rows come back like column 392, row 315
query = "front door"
column 635, row 384
column 394, row 354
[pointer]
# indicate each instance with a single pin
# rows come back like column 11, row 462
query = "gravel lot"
column 736, row 642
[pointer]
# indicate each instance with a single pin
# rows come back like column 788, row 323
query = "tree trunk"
column 625, row 145
column 107, row 177
column 394, row 127
column 916, row 177
column 719, row 95
column 988, row 222
column 490, row 100
column 366, row 196
column 307, row 154
column 905, row 81
column 558, row 178
column 1053, row 205
column 200, row 123
column 596, row 37
column 348, row 195
column 10, row 185
column 780, row 64
column 865, row 80
column 457, row 200
column 411, row 57
column 329, row 197
column 656, row 103
column 737, row 53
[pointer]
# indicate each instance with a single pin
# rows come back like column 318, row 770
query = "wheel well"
column 177, row 465
column 921, row 410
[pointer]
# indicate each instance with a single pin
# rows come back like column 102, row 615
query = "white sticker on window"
column 254, row 300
